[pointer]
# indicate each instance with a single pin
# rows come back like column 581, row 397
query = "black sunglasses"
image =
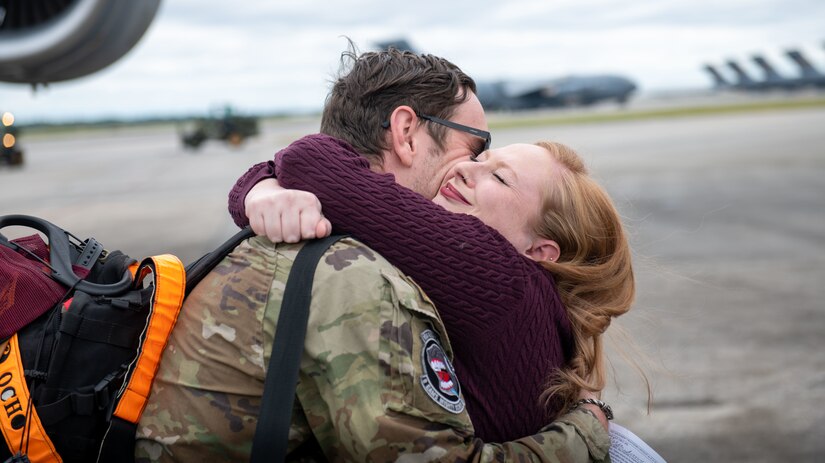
column 463, row 128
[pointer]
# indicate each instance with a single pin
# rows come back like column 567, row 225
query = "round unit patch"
column 439, row 380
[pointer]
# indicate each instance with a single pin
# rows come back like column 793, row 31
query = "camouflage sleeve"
column 575, row 437
column 369, row 385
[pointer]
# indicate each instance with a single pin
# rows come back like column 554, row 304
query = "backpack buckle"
column 103, row 397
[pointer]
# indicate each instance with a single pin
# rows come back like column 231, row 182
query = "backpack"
column 83, row 330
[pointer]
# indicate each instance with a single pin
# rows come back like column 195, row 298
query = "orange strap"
column 169, row 283
column 169, row 280
column 14, row 397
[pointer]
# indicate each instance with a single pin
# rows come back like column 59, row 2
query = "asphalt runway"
column 726, row 214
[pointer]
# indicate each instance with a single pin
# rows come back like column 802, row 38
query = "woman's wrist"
column 608, row 412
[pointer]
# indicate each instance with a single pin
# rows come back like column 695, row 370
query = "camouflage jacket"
column 375, row 383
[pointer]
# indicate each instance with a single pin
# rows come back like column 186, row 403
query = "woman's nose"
column 464, row 175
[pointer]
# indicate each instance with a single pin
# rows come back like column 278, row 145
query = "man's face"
column 430, row 169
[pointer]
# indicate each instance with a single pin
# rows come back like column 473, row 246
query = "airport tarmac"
column 726, row 214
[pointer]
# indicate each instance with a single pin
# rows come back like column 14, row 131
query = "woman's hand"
column 285, row 215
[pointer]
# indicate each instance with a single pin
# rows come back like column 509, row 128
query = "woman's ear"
column 403, row 122
column 543, row 250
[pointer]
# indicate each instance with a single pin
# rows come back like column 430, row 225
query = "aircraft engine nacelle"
column 44, row 41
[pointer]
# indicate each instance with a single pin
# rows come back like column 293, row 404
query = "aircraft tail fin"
column 770, row 72
column 742, row 77
column 807, row 68
column 399, row 44
column 718, row 79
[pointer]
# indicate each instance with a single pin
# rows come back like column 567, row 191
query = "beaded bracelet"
column 608, row 412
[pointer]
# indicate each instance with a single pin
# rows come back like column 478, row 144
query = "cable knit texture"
column 503, row 315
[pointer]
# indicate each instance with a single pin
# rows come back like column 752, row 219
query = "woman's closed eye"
column 500, row 179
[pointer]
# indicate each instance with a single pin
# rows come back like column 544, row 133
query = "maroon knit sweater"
column 503, row 315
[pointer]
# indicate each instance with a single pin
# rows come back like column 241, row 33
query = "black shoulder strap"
column 272, row 434
column 198, row 269
column 119, row 442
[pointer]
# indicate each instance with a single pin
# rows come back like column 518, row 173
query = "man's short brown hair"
column 371, row 85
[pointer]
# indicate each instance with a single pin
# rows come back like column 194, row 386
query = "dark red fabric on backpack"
column 26, row 289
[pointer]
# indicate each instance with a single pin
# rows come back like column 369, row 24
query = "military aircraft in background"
column 574, row 90
column 809, row 74
column 770, row 77
column 808, row 77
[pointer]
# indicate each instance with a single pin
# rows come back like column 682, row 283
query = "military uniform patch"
column 439, row 380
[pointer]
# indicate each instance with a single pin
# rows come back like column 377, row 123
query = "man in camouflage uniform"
column 375, row 381
column 360, row 395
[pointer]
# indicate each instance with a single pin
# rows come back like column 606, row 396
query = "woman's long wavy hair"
column 593, row 274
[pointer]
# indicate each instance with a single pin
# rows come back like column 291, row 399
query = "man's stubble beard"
column 428, row 176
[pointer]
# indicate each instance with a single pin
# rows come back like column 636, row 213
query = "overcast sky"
column 268, row 56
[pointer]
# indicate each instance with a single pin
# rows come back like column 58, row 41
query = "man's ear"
column 403, row 123
column 543, row 250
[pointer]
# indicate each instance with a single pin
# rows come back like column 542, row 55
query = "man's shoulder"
column 348, row 271
column 354, row 261
column 346, row 257
column 349, row 256
column 341, row 254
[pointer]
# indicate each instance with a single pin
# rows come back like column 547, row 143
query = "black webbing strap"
column 272, row 433
column 198, row 269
